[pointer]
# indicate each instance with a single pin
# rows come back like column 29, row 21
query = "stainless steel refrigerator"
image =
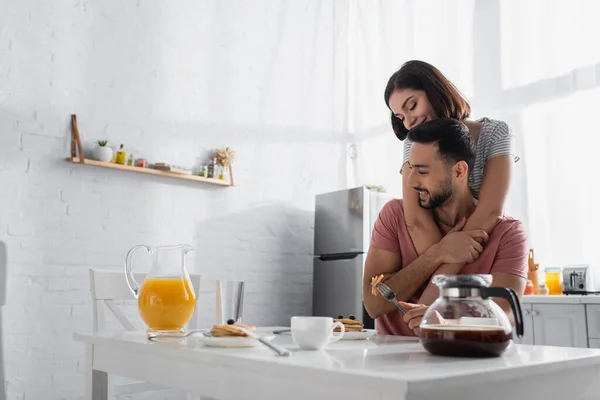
column 343, row 224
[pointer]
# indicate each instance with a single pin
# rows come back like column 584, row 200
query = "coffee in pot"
column 465, row 322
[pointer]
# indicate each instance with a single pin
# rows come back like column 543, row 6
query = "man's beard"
column 438, row 198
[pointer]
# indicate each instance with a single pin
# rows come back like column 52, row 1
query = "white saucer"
column 365, row 334
column 231, row 342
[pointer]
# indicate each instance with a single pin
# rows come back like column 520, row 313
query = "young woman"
column 419, row 92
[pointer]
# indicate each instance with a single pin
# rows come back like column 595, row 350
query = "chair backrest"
column 109, row 286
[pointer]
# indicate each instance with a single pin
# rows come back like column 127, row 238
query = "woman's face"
column 412, row 107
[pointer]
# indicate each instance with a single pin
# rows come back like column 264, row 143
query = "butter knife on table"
column 277, row 349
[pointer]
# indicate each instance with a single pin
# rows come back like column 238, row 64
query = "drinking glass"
column 230, row 302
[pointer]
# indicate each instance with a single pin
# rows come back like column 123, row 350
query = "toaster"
column 577, row 279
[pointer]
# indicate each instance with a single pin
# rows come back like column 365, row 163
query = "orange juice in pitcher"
column 166, row 304
column 166, row 298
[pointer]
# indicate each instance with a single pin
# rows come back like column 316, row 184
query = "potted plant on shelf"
column 102, row 152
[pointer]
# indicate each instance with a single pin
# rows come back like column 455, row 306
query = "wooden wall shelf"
column 195, row 178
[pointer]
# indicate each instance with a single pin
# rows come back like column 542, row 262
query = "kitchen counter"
column 570, row 299
column 384, row 368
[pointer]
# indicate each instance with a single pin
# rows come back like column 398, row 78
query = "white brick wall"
column 170, row 81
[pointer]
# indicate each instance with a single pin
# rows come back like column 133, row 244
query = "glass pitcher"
column 465, row 322
column 166, row 298
column 553, row 278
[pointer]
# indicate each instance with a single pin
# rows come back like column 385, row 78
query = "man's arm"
column 454, row 247
column 517, row 283
column 404, row 282
column 510, row 265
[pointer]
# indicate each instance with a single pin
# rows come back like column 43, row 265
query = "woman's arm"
column 493, row 192
column 487, row 214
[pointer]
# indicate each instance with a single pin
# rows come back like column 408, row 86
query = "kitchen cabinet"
column 594, row 343
column 593, row 321
column 555, row 325
column 527, row 326
column 559, row 325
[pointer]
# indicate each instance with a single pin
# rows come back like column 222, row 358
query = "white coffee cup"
column 314, row 333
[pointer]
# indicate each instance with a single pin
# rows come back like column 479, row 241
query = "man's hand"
column 414, row 315
column 461, row 246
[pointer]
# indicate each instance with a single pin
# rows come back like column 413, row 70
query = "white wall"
column 170, row 80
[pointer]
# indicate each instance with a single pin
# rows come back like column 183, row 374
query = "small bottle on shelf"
column 131, row 160
column 528, row 287
column 543, row 289
column 211, row 168
column 121, row 156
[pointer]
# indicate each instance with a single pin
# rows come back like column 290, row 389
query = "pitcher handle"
column 133, row 285
column 510, row 295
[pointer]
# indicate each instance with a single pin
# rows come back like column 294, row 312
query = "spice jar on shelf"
column 141, row 162
column 203, row 171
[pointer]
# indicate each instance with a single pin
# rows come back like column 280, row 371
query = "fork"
column 389, row 295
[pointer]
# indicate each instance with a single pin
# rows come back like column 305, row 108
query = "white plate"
column 365, row 334
column 231, row 341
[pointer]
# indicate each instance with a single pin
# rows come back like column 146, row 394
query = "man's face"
column 430, row 176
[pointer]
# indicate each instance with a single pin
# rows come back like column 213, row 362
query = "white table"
column 383, row 368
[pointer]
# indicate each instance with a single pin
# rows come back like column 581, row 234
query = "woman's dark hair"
column 446, row 100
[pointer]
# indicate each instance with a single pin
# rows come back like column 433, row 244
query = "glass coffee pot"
column 465, row 322
column 166, row 298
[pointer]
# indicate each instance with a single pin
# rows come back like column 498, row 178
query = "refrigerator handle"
column 339, row 256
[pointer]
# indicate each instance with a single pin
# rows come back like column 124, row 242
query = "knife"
column 277, row 349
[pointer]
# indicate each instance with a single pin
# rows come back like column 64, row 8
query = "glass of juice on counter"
column 554, row 281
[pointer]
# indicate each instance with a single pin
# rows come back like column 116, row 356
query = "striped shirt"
column 496, row 139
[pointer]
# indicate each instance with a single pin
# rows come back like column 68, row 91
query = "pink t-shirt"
column 506, row 251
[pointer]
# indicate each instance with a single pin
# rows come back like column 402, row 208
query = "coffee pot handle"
column 511, row 296
column 133, row 285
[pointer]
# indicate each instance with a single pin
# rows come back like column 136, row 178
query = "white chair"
column 109, row 286
column 3, row 279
